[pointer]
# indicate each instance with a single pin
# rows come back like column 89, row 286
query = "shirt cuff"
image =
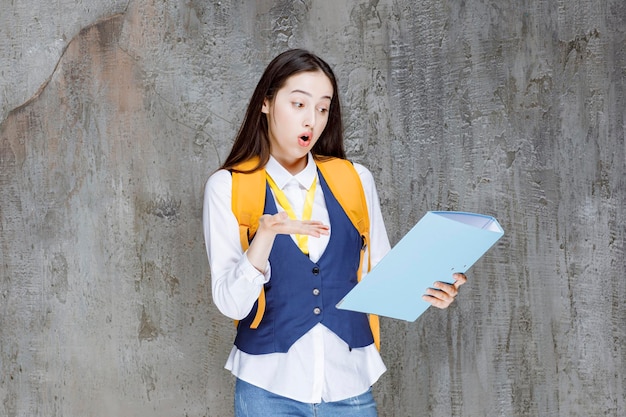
column 253, row 275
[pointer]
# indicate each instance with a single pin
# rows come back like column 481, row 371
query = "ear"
column 266, row 106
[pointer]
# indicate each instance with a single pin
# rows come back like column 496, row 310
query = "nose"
column 309, row 120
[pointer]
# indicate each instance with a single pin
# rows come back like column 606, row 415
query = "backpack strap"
column 248, row 201
column 345, row 184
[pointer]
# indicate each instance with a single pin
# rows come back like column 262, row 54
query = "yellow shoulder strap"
column 345, row 184
column 248, row 199
column 248, row 202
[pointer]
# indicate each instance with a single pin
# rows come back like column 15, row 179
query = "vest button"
column 315, row 270
column 317, row 311
column 316, row 291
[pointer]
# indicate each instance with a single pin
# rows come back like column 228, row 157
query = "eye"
column 323, row 110
column 298, row 105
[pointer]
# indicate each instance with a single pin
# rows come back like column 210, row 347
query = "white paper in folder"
column 441, row 243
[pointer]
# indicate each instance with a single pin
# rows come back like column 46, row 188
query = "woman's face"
column 297, row 116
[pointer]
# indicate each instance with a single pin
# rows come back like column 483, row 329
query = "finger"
column 315, row 231
column 437, row 302
column 459, row 279
column 440, row 295
column 449, row 289
column 313, row 223
column 284, row 225
column 308, row 226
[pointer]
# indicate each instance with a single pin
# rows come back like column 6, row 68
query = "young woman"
column 300, row 356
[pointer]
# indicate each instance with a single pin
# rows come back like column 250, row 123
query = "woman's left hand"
column 443, row 293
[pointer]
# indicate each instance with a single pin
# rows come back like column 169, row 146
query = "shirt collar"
column 281, row 176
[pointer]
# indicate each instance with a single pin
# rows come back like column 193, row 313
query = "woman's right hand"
column 278, row 224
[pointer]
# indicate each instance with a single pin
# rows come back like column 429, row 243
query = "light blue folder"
column 441, row 243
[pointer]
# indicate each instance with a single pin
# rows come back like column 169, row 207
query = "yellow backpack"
column 248, row 202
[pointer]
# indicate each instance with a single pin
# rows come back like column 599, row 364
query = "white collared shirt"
column 318, row 366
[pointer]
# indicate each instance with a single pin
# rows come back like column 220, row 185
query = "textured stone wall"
column 113, row 114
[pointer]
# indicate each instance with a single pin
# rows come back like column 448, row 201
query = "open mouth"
column 304, row 139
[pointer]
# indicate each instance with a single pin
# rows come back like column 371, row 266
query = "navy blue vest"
column 302, row 293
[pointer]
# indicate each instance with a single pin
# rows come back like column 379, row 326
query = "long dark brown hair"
column 252, row 140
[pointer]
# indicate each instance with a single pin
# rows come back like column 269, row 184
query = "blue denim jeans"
column 252, row 401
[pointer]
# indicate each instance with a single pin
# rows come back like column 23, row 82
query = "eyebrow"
column 309, row 94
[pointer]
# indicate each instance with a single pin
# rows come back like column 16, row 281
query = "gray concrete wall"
column 113, row 114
